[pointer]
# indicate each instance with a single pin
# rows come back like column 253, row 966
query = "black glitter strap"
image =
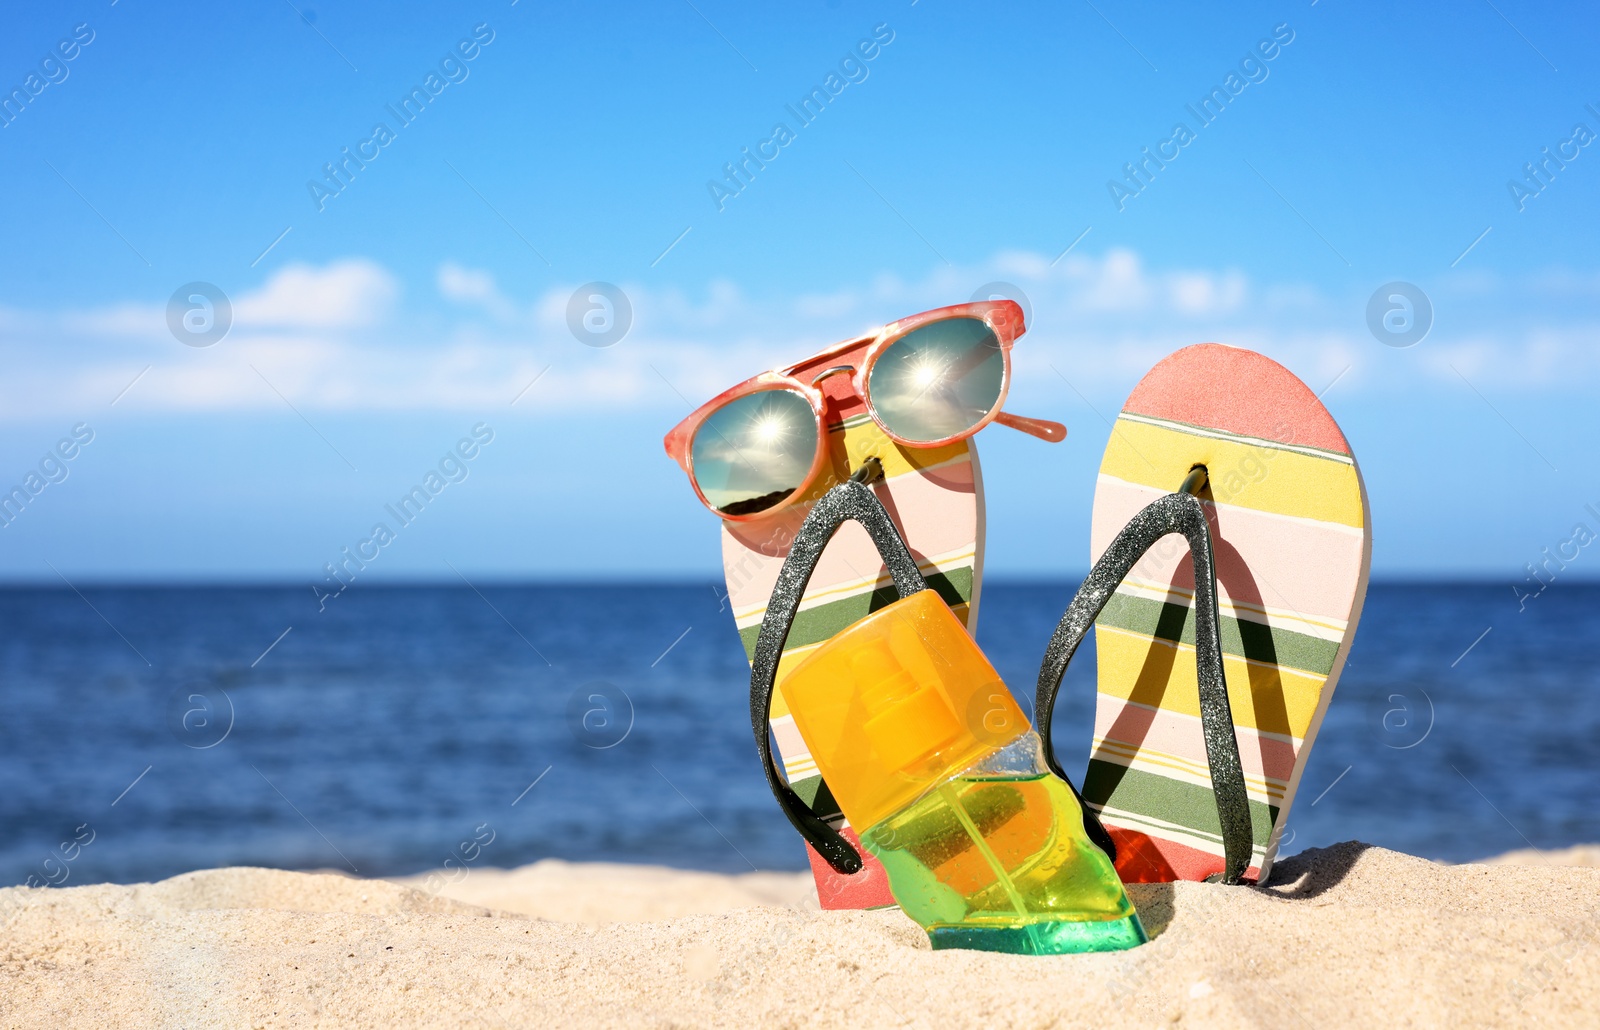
column 1182, row 513
column 849, row 500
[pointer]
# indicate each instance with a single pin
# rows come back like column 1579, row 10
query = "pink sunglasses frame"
column 1003, row 317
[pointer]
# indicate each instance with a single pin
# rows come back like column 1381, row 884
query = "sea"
column 146, row 732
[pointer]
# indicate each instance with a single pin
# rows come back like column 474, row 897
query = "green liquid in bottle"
column 997, row 859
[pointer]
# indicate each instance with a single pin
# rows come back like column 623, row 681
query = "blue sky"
column 373, row 328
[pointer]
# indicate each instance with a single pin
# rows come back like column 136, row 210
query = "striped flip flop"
column 1218, row 648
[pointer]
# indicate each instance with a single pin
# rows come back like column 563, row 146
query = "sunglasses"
column 927, row 381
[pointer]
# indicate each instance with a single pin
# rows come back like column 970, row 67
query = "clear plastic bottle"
column 932, row 761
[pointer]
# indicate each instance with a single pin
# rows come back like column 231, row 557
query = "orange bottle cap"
column 898, row 703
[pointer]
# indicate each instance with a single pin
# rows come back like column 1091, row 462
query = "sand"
column 1345, row 935
column 1580, row 854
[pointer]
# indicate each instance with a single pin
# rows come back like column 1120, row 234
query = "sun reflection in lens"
column 938, row 380
column 926, row 371
column 769, row 428
column 754, row 452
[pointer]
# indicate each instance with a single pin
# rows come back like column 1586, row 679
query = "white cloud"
column 474, row 287
column 1099, row 321
column 467, row 285
column 127, row 320
column 345, row 294
column 1116, row 283
column 1199, row 293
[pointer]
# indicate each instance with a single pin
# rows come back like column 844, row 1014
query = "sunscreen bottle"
column 928, row 755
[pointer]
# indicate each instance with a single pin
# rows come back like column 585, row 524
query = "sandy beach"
column 1344, row 935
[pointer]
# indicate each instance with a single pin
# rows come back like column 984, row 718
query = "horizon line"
column 666, row 579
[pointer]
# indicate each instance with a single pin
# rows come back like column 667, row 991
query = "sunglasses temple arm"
column 1043, row 428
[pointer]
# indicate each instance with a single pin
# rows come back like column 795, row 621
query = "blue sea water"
column 146, row 732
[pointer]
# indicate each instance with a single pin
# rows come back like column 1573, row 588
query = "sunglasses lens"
column 938, row 381
column 754, row 452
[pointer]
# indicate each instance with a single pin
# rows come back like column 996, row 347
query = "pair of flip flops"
column 1231, row 546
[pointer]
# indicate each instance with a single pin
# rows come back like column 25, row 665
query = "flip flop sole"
column 935, row 496
column 1290, row 527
